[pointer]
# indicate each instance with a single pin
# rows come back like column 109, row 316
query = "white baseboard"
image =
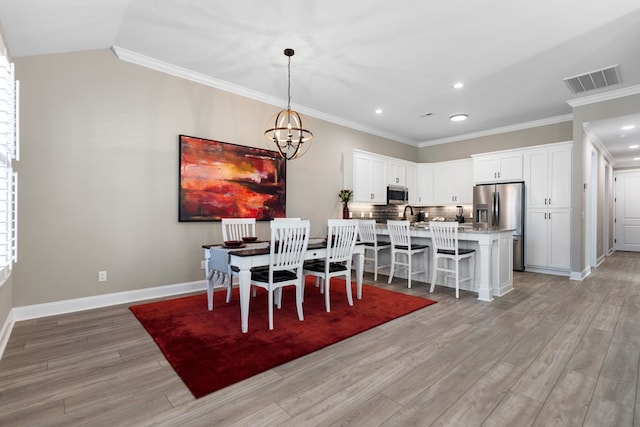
column 5, row 332
column 36, row 311
column 580, row 275
column 565, row 273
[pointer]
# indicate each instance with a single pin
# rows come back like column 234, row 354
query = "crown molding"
column 605, row 96
column 597, row 143
column 184, row 73
column 504, row 129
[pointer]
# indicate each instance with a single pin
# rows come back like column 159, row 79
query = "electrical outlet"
column 203, row 265
column 102, row 276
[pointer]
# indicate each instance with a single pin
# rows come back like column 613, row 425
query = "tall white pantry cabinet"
column 547, row 173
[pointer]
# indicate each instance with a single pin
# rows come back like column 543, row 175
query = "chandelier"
column 287, row 131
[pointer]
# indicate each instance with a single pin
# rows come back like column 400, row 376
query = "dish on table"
column 249, row 239
column 233, row 243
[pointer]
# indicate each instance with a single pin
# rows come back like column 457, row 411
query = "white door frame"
column 606, row 218
column 619, row 222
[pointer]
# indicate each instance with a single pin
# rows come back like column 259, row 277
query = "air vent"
column 594, row 80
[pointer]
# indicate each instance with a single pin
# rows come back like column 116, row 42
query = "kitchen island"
column 494, row 259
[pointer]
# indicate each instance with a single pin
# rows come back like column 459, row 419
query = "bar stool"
column 368, row 236
column 444, row 236
column 399, row 232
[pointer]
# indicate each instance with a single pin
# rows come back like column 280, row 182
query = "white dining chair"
column 236, row 229
column 341, row 241
column 369, row 237
column 289, row 240
column 401, row 246
column 444, row 237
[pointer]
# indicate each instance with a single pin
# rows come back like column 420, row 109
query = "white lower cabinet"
column 548, row 239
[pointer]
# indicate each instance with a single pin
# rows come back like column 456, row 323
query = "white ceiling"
column 355, row 56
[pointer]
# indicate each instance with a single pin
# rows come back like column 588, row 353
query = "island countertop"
column 494, row 257
column 462, row 228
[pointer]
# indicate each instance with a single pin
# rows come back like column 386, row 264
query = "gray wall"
column 547, row 134
column 99, row 173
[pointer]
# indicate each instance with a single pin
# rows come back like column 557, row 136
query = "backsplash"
column 381, row 213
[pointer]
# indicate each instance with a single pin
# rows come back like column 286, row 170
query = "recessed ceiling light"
column 634, row 146
column 378, row 110
column 628, row 127
column 636, row 158
column 458, row 85
column 458, row 117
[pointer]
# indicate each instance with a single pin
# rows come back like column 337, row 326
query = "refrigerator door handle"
column 497, row 209
column 494, row 209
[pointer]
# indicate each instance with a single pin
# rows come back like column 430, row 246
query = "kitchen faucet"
column 404, row 214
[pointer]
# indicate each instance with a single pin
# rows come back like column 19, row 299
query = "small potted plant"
column 345, row 197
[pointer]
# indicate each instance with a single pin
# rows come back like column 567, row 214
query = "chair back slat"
column 237, row 228
column 399, row 233
column 289, row 240
column 341, row 239
column 444, row 235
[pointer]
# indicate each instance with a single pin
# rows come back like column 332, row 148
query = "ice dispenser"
column 482, row 215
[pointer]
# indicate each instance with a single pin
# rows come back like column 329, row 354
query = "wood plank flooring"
column 553, row 352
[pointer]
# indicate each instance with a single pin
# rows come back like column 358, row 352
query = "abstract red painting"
column 221, row 180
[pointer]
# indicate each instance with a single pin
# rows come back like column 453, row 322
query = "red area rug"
column 209, row 352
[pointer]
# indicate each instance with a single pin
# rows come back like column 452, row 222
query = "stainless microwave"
column 397, row 195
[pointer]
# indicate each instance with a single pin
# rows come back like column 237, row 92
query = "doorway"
column 627, row 211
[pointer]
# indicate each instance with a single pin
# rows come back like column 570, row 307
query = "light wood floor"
column 553, row 352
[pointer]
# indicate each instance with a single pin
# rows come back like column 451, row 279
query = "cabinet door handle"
column 498, row 174
column 545, row 215
column 549, row 202
column 549, row 215
column 545, row 200
column 495, row 175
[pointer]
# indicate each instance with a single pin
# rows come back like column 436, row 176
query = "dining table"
column 218, row 259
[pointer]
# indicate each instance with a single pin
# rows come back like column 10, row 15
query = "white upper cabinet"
column 548, row 177
column 497, row 167
column 412, row 182
column 453, row 182
column 396, row 173
column 366, row 174
column 425, row 185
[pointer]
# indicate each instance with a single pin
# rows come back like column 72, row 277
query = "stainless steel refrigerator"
column 501, row 206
